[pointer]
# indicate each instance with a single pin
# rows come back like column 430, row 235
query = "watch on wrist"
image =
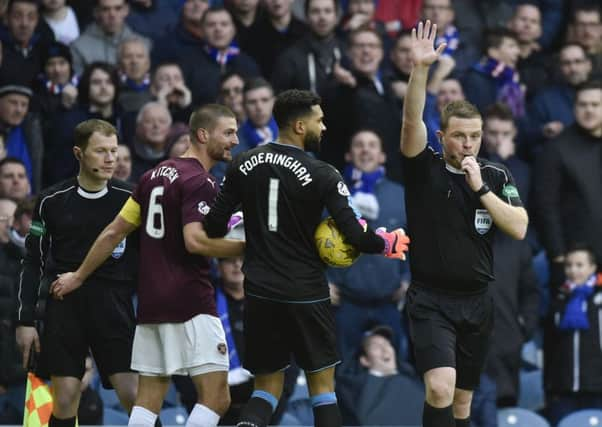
column 483, row 190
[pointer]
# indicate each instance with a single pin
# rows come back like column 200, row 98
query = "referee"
column 455, row 203
column 99, row 316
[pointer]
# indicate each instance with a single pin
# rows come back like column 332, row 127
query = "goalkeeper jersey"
column 283, row 192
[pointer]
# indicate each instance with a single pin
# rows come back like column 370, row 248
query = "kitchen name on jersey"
column 166, row 171
column 289, row 162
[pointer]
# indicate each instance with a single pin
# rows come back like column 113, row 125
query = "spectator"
column 260, row 127
column 275, row 31
column 401, row 64
column 364, row 100
column 169, row 88
column 186, row 35
column 56, row 88
column 567, row 197
column 398, row 14
column 369, row 393
column 572, row 364
column 245, row 14
column 123, row 165
column 495, row 77
column 499, row 133
column 442, row 13
column 360, row 14
column 61, row 18
column 2, row 144
column 230, row 95
column 515, row 291
column 552, row 109
column 368, row 292
column 14, row 183
column 440, row 90
column 12, row 375
column 100, row 40
column 152, row 18
column 533, row 64
column 134, row 67
column 586, row 28
column 313, row 61
column 97, row 98
column 220, row 55
column 152, row 127
column 23, row 43
column 178, row 140
column 24, row 134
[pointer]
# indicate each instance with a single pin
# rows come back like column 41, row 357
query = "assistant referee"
column 455, row 203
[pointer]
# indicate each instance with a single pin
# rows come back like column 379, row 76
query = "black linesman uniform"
column 283, row 191
column 449, row 307
column 99, row 315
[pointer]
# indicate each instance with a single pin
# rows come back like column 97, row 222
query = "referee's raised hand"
column 423, row 44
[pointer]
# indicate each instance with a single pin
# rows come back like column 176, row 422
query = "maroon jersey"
column 174, row 284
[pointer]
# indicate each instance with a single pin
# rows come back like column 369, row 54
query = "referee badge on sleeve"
column 482, row 221
column 119, row 250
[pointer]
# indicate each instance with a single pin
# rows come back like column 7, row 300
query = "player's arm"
column 413, row 129
column 124, row 223
column 227, row 201
column 197, row 242
column 511, row 219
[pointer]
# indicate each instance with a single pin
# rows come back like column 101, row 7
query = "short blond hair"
column 461, row 109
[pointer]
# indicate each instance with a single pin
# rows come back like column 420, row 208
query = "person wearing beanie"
column 56, row 88
column 23, row 134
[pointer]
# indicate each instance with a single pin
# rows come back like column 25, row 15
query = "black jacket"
column 573, row 359
column 567, row 195
column 516, row 295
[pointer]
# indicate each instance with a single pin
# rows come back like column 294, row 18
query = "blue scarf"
column 57, row 88
column 507, row 80
column 575, row 312
column 222, row 311
column 364, row 182
column 136, row 87
column 259, row 136
column 222, row 58
column 16, row 146
column 451, row 37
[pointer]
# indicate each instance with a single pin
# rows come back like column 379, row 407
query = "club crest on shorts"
column 204, row 208
column 221, row 347
column 482, row 221
column 119, row 250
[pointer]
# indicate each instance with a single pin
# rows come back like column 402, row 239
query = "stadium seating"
column 113, row 417
column 584, row 418
column 519, row 417
column 175, row 416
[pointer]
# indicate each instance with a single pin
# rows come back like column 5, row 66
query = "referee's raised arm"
column 413, row 129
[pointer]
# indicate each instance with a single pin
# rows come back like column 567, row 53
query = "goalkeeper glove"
column 396, row 242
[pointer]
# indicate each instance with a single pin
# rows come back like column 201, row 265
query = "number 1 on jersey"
column 273, row 204
column 154, row 209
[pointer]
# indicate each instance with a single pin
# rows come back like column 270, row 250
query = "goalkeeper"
column 283, row 192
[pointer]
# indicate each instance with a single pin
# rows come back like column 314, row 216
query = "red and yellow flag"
column 38, row 402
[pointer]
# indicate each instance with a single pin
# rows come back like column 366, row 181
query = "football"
column 332, row 248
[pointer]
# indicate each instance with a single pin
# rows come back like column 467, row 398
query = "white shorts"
column 194, row 347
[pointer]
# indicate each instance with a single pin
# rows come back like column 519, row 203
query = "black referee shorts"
column 450, row 331
column 97, row 317
column 275, row 331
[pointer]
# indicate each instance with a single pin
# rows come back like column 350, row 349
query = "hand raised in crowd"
column 69, row 96
column 423, row 44
column 552, row 129
column 473, row 172
column 343, row 75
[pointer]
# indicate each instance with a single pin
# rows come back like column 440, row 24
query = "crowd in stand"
column 533, row 69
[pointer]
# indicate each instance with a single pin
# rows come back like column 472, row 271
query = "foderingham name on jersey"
column 166, row 171
column 289, row 162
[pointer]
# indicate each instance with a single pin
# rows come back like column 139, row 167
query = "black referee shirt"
column 451, row 231
column 65, row 223
column 283, row 191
